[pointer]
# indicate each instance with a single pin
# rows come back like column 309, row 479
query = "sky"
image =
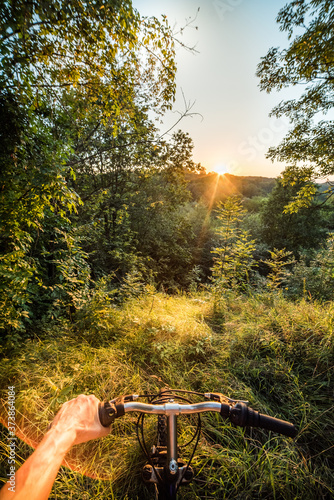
column 232, row 130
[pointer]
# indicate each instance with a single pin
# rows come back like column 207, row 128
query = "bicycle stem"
column 172, row 453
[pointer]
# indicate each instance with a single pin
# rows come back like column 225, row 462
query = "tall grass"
column 277, row 354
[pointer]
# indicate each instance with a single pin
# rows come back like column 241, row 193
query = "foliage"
column 77, row 81
column 173, row 239
column 15, row 272
column 233, row 259
column 313, row 277
column 71, row 273
column 279, row 260
column 94, row 321
column 134, row 213
column 293, row 231
column 33, row 190
column 99, row 51
column 309, row 61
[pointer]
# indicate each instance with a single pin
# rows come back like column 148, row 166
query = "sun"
column 220, row 169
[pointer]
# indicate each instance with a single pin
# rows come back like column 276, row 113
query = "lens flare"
column 220, row 169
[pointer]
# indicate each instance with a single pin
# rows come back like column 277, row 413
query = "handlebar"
column 243, row 416
column 237, row 412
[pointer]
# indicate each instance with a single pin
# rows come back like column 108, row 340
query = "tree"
column 132, row 211
column 308, row 61
column 293, row 231
column 313, row 277
column 233, row 258
column 277, row 263
column 75, row 76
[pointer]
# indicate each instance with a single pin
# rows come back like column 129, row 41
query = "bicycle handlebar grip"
column 225, row 410
column 106, row 413
column 109, row 410
column 277, row 425
column 243, row 416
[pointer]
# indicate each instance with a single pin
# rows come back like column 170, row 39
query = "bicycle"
column 165, row 469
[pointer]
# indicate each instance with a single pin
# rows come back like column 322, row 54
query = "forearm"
column 36, row 476
column 76, row 422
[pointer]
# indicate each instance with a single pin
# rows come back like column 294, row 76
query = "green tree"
column 75, row 76
column 293, row 231
column 233, row 259
column 308, row 61
column 313, row 277
column 278, row 262
column 133, row 211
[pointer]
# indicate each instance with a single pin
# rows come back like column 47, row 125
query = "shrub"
column 315, row 279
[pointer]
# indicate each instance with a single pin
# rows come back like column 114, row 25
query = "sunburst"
column 220, row 169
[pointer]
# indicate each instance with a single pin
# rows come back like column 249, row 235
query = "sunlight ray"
column 206, row 221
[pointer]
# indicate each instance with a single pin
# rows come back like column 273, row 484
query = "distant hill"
column 213, row 187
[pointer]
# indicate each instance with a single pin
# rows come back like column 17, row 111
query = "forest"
column 125, row 266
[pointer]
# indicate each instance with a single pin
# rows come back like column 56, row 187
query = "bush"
column 314, row 279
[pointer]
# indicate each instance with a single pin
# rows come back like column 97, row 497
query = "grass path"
column 277, row 354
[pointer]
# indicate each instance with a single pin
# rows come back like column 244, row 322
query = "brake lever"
column 217, row 396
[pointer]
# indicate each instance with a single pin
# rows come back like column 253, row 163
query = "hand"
column 80, row 415
column 76, row 422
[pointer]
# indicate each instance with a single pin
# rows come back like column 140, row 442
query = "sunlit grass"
column 277, row 354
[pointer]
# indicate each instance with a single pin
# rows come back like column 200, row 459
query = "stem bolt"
column 173, row 467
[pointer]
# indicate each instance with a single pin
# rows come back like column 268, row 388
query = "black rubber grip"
column 277, row 425
column 225, row 410
column 106, row 413
column 247, row 417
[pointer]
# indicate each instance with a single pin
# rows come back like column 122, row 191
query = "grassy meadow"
column 277, row 354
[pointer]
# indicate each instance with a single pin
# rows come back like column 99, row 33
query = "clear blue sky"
column 232, row 36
